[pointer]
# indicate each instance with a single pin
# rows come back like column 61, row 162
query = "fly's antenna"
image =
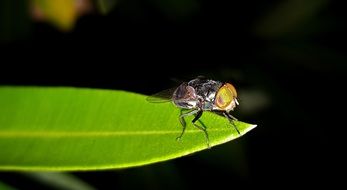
column 237, row 101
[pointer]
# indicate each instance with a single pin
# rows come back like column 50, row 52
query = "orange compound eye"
column 232, row 89
column 225, row 95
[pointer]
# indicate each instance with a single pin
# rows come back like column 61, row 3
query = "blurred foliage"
column 4, row 186
column 61, row 13
column 14, row 20
column 286, row 18
column 176, row 9
column 105, row 6
column 58, row 180
column 289, row 17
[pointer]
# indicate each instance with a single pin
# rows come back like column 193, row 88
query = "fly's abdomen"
column 185, row 97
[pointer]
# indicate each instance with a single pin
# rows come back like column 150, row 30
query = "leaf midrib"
column 58, row 134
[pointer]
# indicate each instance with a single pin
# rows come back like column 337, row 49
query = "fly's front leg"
column 231, row 120
column 197, row 117
column 183, row 122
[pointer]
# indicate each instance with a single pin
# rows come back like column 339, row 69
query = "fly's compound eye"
column 225, row 96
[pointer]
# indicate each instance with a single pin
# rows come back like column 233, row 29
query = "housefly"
column 199, row 95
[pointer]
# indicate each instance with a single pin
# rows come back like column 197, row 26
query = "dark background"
column 286, row 58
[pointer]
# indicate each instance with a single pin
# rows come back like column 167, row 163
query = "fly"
column 199, row 95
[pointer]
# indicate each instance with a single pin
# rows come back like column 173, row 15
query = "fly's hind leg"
column 183, row 122
column 231, row 120
column 203, row 127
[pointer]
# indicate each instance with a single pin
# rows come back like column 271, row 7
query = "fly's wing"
column 162, row 96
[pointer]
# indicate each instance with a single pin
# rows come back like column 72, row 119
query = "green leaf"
column 64, row 128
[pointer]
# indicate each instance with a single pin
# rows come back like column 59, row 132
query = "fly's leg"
column 183, row 122
column 231, row 120
column 203, row 127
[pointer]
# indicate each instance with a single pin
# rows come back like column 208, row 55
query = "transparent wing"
column 162, row 96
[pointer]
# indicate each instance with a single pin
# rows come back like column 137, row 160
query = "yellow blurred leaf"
column 61, row 13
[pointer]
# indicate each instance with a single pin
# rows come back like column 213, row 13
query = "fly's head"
column 226, row 98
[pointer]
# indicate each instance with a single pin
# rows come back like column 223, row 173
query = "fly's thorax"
column 205, row 87
column 207, row 102
column 205, row 90
column 209, row 106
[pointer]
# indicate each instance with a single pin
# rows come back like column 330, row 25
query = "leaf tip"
column 246, row 128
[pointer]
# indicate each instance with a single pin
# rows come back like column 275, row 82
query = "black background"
column 139, row 48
